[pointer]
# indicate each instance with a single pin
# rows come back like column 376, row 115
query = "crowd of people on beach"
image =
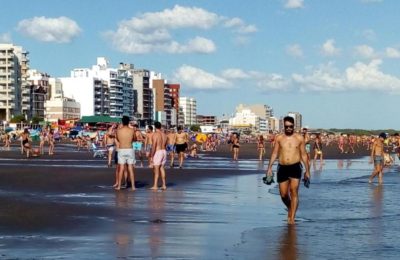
column 126, row 146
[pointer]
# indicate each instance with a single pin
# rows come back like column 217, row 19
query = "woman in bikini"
column 318, row 149
column 235, row 146
column 110, row 143
column 260, row 147
column 50, row 139
column 26, row 146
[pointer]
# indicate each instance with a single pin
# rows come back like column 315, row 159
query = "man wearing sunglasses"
column 290, row 150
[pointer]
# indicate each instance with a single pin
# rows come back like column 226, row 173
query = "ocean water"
column 341, row 216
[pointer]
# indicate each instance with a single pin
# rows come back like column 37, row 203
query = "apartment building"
column 188, row 108
column 141, row 83
column 91, row 92
column 14, row 64
column 33, row 101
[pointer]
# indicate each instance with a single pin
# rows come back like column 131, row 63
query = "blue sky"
column 336, row 62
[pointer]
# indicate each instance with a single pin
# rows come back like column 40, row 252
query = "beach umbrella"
column 201, row 138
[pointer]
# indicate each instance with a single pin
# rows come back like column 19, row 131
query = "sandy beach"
column 64, row 207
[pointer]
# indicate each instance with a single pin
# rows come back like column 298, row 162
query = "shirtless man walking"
column 181, row 144
column 290, row 149
column 125, row 136
column 159, row 155
column 307, row 141
column 377, row 158
column 138, row 144
column 171, row 146
column 148, row 144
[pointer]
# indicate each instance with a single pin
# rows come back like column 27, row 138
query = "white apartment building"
column 263, row 111
column 125, row 75
column 298, row 120
column 188, row 107
column 55, row 88
column 273, row 124
column 14, row 64
column 91, row 92
column 58, row 106
column 62, row 108
column 145, row 105
column 245, row 118
column 33, row 105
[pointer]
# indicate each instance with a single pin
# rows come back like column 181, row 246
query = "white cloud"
column 273, row 81
column 151, row 32
column 235, row 74
column 323, row 78
column 392, row 53
column 365, row 51
column 360, row 77
column 292, row 4
column 369, row 76
column 240, row 26
column 294, row 50
column 329, row 49
column 60, row 30
column 195, row 78
column 5, row 38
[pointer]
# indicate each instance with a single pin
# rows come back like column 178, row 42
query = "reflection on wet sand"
column 157, row 225
column 288, row 243
column 377, row 225
column 340, row 164
column 377, row 198
column 317, row 169
column 123, row 235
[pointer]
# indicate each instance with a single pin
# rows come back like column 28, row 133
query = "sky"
column 336, row 62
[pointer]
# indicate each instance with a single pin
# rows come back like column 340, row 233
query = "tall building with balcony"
column 125, row 75
column 91, row 92
column 175, row 94
column 102, row 71
column 141, row 83
column 263, row 111
column 206, row 120
column 38, row 84
column 55, row 88
column 14, row 64
column 62, row 108
column 59, row 107
column 164, row 110
column 188, row 107
column 298, row 120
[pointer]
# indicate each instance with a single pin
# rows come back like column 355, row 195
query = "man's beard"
column 289, row 132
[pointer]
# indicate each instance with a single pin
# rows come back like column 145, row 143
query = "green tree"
column 18, row 119
column 195, row 128
column 35, row 120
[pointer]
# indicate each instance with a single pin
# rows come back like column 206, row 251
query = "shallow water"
column 237, row 217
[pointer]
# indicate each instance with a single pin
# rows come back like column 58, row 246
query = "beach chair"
column 98, row 152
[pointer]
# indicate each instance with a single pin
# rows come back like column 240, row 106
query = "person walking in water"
column 260, row 147
column 181, row 145
column 159, row 156
column 377, row 158
column 290, row 150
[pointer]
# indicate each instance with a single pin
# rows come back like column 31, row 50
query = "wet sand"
column 63, row 206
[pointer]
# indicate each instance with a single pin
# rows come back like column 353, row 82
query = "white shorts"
column 126, row 156
column 160, row 158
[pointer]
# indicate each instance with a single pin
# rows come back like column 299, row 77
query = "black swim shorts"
column 289, row 171
column 180, row 148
